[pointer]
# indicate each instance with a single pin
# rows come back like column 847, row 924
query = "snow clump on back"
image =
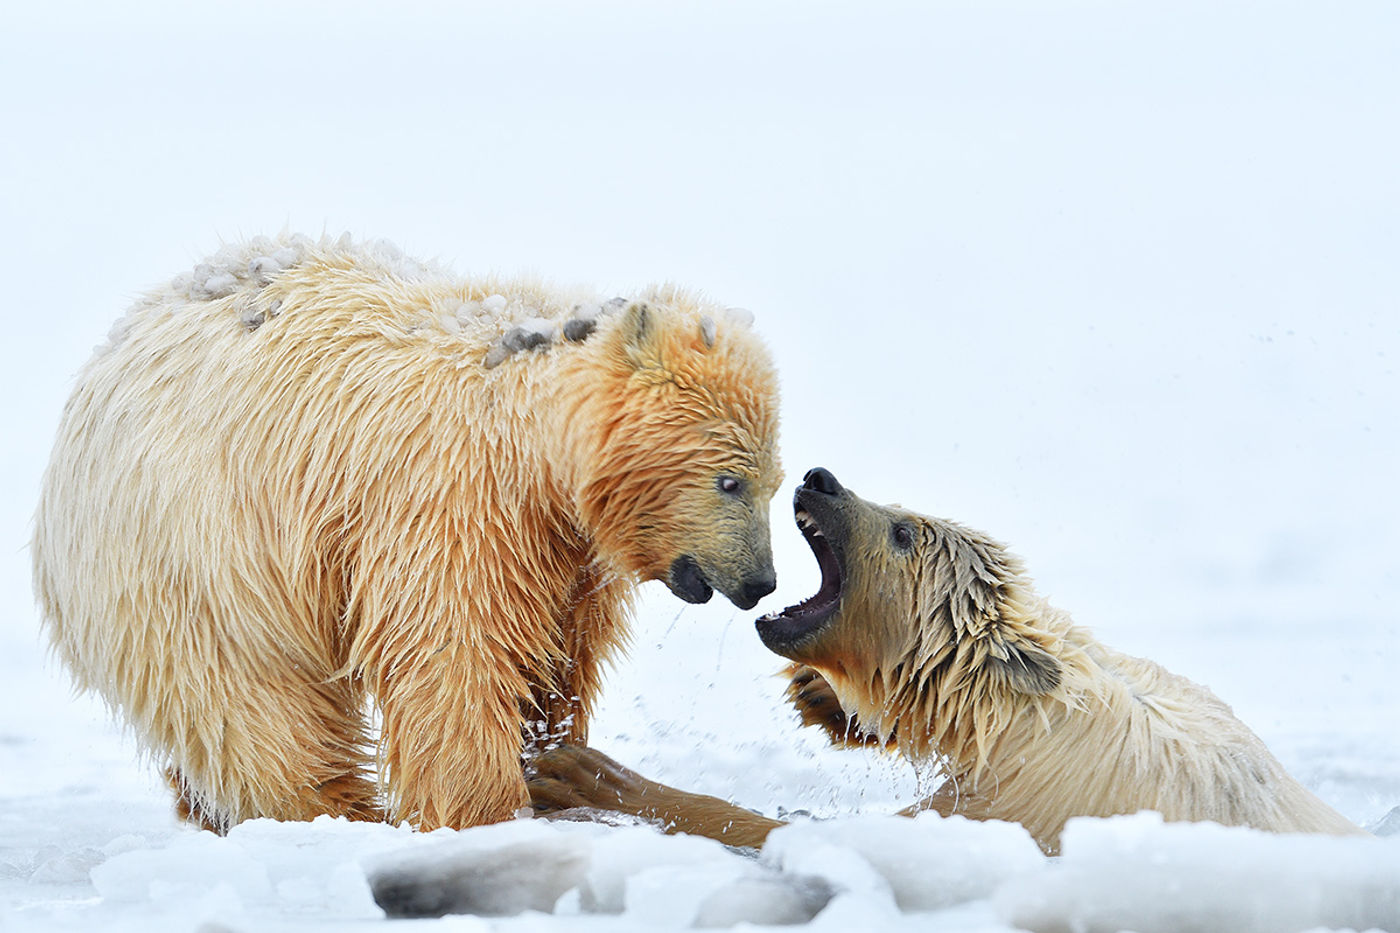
column 254, row 264
column 510, row 316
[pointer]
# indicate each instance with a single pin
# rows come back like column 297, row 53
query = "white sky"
column 1115, row 282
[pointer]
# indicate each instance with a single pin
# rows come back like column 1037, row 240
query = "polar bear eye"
column 903, row 537
column 729, row 485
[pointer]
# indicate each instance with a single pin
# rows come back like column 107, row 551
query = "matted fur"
column 282, row 492
column 936, row 646
column 1032, row 718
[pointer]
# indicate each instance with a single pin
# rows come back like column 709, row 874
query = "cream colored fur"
column 941, row 650
column 1034, row 720
column 281, row 495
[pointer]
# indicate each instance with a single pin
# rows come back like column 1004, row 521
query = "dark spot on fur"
column 1027, row 669
column 518, row 338
column 579, row 328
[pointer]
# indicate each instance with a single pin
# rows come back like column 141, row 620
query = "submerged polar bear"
column 927, row 637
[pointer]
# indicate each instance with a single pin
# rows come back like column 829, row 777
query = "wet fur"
column 946, row 654
column 1032, row 718
column 255, row 524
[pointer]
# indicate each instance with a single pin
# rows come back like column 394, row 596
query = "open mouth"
column 782, row 629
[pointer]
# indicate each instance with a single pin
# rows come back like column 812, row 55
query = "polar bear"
column 927, row 637
column 313, row 477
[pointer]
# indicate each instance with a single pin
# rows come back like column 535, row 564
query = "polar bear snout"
column 755, row 588
column 688, row 580
column 744, row 571
column 821, row 480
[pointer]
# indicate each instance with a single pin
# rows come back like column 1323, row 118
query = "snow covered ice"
column 881, row 872
column 1140, row 874
column 1115, row 283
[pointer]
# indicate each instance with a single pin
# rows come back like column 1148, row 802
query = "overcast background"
column 1118, row 283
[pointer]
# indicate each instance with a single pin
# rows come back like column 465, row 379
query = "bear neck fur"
column 1115, row 734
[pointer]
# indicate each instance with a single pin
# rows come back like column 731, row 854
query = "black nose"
column 758, row 587
column 820, row 479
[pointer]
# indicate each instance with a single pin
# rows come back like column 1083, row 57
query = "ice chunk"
column 840, row 866
column 220, row 285
column 1138, row 873
column 261, row 269
column 741, row 316
column 120, row 328
column 652, row 880
column 196, row 864
column 583, row 318
column 1388, row 825
column 467, row 312
column 493, row 304
column 767, row 899
column 673, row 893
column 386, row 251
column 707, row 330
column 926, row 863
column 540, row 329
column 498, row 882
column 55, row 866
column 576, row 329
column 636, row 869
column 528, row 334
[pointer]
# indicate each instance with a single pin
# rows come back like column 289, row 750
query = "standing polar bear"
column 314, row 475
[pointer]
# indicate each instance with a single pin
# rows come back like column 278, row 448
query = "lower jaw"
column 784, row 635
column 685, row 580
column 694, row 597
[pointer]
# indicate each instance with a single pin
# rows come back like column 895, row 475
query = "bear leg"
column 562, row 699
column 584, row 780
column 451, row 742
column 187, row 806
column 552, row 718
column 328, row 773
column 350, row 796
column 279, row 748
